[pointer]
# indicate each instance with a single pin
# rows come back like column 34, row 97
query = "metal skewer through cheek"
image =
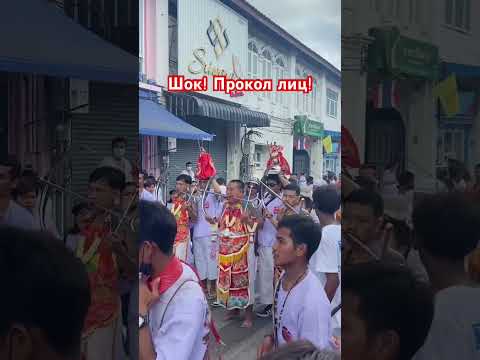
column 78, row 196
column 278, row 196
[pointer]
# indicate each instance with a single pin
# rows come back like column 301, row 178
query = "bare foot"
column 232, row 314
column 247, row 323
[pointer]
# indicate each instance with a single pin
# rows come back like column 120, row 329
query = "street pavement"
column 240, row 343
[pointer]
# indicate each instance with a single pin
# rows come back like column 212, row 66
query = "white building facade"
column 209, row 37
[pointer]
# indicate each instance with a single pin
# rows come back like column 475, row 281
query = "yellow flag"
column 327, row 144
column 447, row 92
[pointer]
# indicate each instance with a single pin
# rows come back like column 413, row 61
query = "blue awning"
column 157, row 121
column 462, row 70
column 39, row 38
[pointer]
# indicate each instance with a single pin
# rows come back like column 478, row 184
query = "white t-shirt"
column 19, row 217
column 190, row 173
column 455, row 331
column 124, row 165
column 213, row 208
column 326, row 260
column 267, row 235
column 185, row 325
column 147, row 196
column 306, row 315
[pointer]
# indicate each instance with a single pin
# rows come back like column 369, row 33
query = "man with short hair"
column 205, row 243
column 118, row 159
column 10, row 212
column 447, row 230
column 101, row 251
column 173, row 312
column 365, row 230
column 292, row 200
column 236, row 255
column 301, row 309
column 46, row 300
column 326, row 262
column 186, row 213
column 267, row 234
column 386, row 312
column 189, row 171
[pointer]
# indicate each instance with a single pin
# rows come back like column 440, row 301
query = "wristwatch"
column 142, row 321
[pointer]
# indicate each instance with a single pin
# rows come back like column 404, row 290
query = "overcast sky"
column 316, row 23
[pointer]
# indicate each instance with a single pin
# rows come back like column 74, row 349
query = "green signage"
column 398, row 55
column 306, row 127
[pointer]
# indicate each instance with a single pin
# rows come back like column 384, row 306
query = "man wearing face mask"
column 189, row 171
column 173, row 313
column 118, row 160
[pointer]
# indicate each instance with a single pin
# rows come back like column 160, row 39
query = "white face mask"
column 119, row 152
column 189, row 168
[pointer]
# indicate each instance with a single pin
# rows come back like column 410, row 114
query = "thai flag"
column 385, row 95
column 302, row 143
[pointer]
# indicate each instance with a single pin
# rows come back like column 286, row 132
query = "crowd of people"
column 410, row 284
column 258, row 248
column 409, row 267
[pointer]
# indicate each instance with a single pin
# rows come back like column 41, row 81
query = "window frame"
column 332, row 103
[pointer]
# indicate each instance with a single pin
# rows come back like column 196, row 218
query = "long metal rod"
column 278, row 196
column 81, row 197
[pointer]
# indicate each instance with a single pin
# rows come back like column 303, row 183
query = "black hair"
column 221, row 181
column 406, row 179
column 310, row 180
column 188, row 163
column 326, row 199
column 114, row 177
column 274, row 178
column 390, row 298
column 240, row 184
column 24, row 186
column 308, row 203
column 447, row 225
column 48, row 288
column 118, row 140
column 185, row 178
column 304, row 231
column 11, row 162
column 157, row 225
column 366, row 198
column 293, row 187
column 149, row 182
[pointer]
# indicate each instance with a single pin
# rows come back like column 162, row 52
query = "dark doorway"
column 301, row 162
column 385, row 138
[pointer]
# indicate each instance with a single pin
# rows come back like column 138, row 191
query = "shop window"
column 332, row 102
column 252, row 60
column 457, row 14
column 267, row 70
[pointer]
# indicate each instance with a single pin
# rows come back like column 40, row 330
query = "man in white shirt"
column 447, row 229
column 301, row 309
column 118, row 159
column 144, row 194
column 174, row 317
column 386, row 312
column 205, row 244
column 326, row 262
column 267, row 234
column 10, row 212
column 189, row 171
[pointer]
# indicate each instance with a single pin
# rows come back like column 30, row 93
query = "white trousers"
column 205, row 252
column 252, row 271
column 264, row 284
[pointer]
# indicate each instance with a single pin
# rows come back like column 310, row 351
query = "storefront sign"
column 396, row 54
column 212, row 40
column 306, row 127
